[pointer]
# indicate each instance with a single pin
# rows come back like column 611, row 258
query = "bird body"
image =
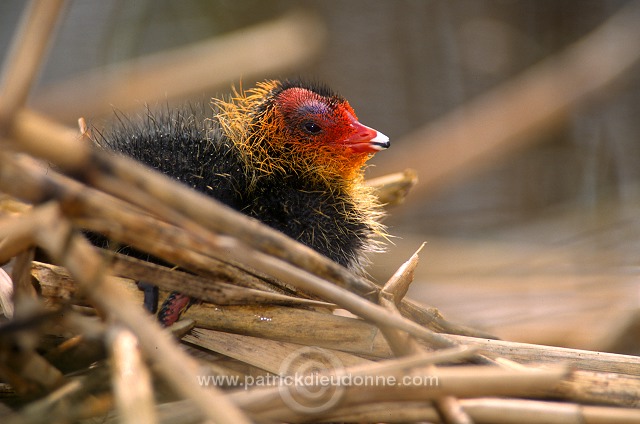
column 290, row 154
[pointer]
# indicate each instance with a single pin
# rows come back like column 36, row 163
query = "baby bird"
column 288, row 153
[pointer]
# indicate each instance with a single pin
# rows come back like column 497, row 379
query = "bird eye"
column 312, row 128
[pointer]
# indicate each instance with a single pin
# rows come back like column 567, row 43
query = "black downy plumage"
column 290, row 154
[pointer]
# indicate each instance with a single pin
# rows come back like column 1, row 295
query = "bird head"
column 299, row 128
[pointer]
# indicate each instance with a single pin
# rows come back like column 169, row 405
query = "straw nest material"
column 281, row 333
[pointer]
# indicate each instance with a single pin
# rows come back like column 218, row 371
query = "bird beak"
column 365, row 139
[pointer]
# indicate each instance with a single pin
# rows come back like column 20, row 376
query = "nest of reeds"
column 281, row 334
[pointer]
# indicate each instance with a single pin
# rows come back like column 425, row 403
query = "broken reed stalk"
column 396, row 288
column 390, row 296
column 403, row 344
column 598, row 388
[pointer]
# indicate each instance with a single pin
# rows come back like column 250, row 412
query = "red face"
column 327, row 123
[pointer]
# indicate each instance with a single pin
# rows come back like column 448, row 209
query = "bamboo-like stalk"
column 472, row 381
column 401, row 343
column 527, row 411
column 131, row 379
column 491, row 411
column 285, row 43
column 527, row 353
column 244, row 348
column 391, row 295
column 295, row 326
column 6, row 294
column 56, row 285
column 25, row 57
column 482, row 410
column 396, row 288
column 24, row 295
column 392, row 189
column 599, row 388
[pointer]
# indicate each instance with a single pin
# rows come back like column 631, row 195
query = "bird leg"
column 151, row 296
column 173, row 307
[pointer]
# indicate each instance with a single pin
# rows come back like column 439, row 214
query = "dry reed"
column 77, row 345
